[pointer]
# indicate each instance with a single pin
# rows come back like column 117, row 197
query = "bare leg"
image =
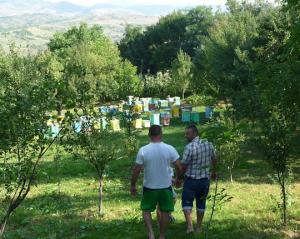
column 158, row 214
column 200, row 216
column 171, row 217
column 189, row 220
column 148, row 221
column 164, row 221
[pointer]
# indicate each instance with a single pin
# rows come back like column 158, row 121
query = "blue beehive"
column 186, row 116
column 54, row 130
column 77, row 126
column 208, row 112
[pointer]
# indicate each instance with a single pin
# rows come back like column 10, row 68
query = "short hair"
column 194, row 128
column 155, row 130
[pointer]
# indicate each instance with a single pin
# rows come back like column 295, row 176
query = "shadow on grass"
column 250, row 168
column 130, row 227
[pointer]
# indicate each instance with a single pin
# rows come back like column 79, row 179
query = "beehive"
column 146, row 123
column 195, row 117
column 138, row 123
column 154, row 119
column 104, row 123
column 152, row 106
column 177, row 100
column 165, row 118
column 138, row 108
column 163, row 103
column 186, row 116
column 208, row 112
column 175, row 112
column 77, row 126
column 115, row 125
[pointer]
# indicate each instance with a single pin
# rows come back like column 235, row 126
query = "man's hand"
column 133, row 190
column 135, row 175
column 178, row 183
column 213, row 176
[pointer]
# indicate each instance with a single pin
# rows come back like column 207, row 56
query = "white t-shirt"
column 157, row 159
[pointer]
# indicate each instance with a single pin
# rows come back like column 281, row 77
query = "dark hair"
column 155, row 130
column 194, row 128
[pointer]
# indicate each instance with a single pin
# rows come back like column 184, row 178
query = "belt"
column 187, row 177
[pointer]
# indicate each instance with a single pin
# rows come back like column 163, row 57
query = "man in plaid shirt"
column 199, row 165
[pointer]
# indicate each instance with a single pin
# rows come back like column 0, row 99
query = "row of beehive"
column 163, row 118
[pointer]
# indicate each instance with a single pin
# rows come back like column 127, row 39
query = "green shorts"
column 161, row 197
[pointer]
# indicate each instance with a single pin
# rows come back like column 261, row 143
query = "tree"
column 90, row 62
column 96, row 146
column 228, row 138
column 154, row 49
column 24, row 104
column 133, row 46
column 277, row 144
column 228, row 51
column 158, row 85
column 182, row 73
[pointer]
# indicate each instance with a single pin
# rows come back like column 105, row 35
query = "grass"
column 72, row 213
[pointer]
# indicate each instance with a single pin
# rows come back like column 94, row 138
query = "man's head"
column 155, row 133
column 191, row 132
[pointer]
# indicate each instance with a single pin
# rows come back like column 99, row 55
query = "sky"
column 147, row 2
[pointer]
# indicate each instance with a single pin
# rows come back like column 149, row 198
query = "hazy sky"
column 148, row 2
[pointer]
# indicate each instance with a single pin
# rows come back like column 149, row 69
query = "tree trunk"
column 58, row 178
column 230, row 171
column 212, row 210
column 183, row 94
column 100, row 208
column 231, row 177
column 3, row 224
column 283, row 191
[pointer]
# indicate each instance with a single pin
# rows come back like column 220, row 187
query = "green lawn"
column 252, row 213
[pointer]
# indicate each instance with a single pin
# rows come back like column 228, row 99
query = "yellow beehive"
column 60, row 118
column 49, row 122
column 97, row 125
column 115, row 125
column 175, row 112
column 138, row 123
column 138, row 108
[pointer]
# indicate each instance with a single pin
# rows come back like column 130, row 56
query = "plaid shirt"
column 198, row 156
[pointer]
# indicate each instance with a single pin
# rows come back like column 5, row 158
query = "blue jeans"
column 195, row 189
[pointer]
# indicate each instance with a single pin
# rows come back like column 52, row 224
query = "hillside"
column 34, row 30
column 30, row 23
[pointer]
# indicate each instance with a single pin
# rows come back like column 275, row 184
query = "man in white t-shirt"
column 156, row 159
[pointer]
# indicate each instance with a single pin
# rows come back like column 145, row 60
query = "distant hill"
column 31, row 23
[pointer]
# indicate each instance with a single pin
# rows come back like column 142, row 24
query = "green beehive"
column 195, row 117
column 186, row 116
column 202, row 117
column 155, row 119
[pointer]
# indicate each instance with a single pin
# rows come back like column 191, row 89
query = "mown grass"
column 72, row 212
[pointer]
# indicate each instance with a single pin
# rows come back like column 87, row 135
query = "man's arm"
column 179, row 173
column 186, row 159
column 178, row 168
column 134, row 177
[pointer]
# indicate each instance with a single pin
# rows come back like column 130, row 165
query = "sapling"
column 96, row 145
column 277, row 144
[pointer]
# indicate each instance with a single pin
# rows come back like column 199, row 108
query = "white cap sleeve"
column 140, row 157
